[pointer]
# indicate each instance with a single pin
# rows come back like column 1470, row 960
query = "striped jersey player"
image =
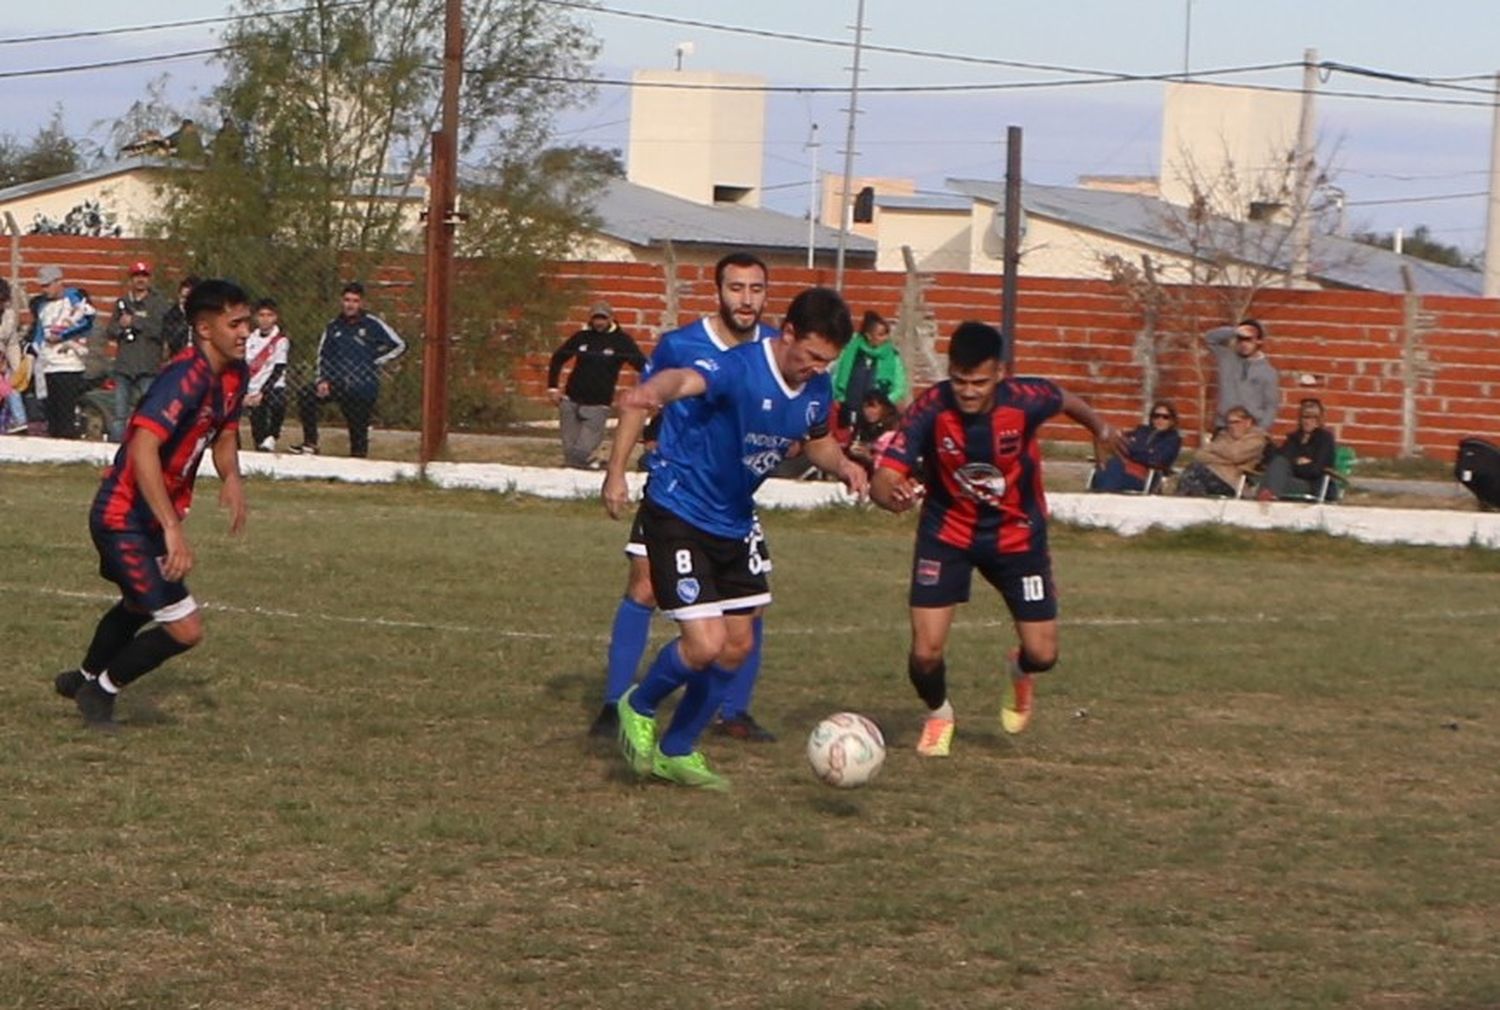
column 136, row 520
column 967, row 449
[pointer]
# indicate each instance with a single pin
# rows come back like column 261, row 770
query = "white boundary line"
column 1210, row 620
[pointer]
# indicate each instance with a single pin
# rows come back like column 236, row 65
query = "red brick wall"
column 1078, row 332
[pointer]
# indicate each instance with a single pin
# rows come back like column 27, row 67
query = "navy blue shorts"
column 941, row 575
column 133, row 561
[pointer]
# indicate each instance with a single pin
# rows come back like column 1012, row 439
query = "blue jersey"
column 679, row 349
column 729, row 440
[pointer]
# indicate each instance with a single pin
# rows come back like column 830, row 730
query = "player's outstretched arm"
column 893, row 492
column 231, row 483
column 1107, row 441
column 144, row 452
column 825, row 454
column 665, row 387
column 616, row 491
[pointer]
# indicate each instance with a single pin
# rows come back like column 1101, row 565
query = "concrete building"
column 699, row 136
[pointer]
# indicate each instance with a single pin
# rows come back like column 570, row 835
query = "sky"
column 1400, row 163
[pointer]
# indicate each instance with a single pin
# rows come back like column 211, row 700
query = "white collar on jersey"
column 713, row 334
column 791, row 393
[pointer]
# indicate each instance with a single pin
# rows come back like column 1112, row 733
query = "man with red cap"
column 136, row 329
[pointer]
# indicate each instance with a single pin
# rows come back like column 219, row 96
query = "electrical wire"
column 94, row 33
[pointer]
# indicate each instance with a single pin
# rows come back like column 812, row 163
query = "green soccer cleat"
column 688, row 770
column 637, row 735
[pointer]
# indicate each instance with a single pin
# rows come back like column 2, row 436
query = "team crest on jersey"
column 812, row 412
column 688, row 589
column 1008, row 442
column 982, row 482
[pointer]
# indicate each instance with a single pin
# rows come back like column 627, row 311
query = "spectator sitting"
column 870, row 363
column 1234, row 452
column 876, row 419
column 1151, row 446
column 1297, row 466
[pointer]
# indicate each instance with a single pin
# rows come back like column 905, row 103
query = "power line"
column 1417, row 199
column 106, row 64
column 168, row 25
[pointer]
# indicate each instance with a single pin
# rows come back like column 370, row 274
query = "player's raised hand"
column 615, row 494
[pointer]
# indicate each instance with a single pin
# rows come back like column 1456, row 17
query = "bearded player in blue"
column 741, row 281
column 748, row 406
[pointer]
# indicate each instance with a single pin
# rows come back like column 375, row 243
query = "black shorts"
column 695, row 574
column 941, row 575
column 133, row 561
column 636, row 546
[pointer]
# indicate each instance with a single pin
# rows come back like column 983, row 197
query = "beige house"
column 124, row 193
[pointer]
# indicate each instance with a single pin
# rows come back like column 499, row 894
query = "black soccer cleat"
column 97, row 706
column 607, row 724
column 742, row 727
column 68, row 682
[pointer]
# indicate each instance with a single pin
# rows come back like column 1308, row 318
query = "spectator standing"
column 1298, row 465
column 64, row 318
column 353, row 347
column 174, row 328
column 1234, row 452
column 870, row 363
column 136, row 329
column 1151, row 446
column 1246, row 377
column 11, row 356
column 598, row 352
column 267, row 351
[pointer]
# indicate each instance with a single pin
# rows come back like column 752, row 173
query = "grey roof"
column 647, row 217
column 921, row 201
column 1335, row 261
column 101, row 171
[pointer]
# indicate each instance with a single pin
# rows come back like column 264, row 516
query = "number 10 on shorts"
column 1033, row 588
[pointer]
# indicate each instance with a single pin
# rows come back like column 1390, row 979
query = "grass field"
column 1263, row 775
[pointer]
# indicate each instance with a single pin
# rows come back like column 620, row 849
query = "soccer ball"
column 846, row 750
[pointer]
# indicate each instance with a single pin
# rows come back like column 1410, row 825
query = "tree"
column 1422, row 245
column 319, row 169
column 50, row 152
column 1233, row 240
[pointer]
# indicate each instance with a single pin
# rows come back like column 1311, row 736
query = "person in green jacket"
column 869, row 364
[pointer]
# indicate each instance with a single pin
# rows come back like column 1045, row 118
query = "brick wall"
column 1345, row 347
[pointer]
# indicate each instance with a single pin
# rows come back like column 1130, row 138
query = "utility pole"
column 812, row 196
column 1009, row 292
column 441, row 218
column 844, row 197
column 1492, row 224
column 1303, row 172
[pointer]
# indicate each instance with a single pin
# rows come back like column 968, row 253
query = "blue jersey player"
column 193, row 406
column 967, row 449
column 741, row 281
column 747, row 408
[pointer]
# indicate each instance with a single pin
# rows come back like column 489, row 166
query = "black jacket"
column 600, row 358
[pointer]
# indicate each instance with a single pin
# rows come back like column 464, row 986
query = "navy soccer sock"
column 705, row 692
column 667, row 673
column 627, row 643
column 737, row 698
column 931, row 685
column 144, row 653
column 113, row 632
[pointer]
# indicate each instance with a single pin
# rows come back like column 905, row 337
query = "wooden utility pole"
column 1009, row 293
column 441, row 218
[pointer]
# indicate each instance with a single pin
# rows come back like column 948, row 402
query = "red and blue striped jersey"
column 187, row 407
column 982, row 472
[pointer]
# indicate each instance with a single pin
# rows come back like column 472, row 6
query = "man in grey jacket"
column 136, row 329
column 1246, row 377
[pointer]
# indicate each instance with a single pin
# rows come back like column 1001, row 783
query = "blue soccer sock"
column 627, row 643
column 705, row 691
column 737, row 697
column 667, row 673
